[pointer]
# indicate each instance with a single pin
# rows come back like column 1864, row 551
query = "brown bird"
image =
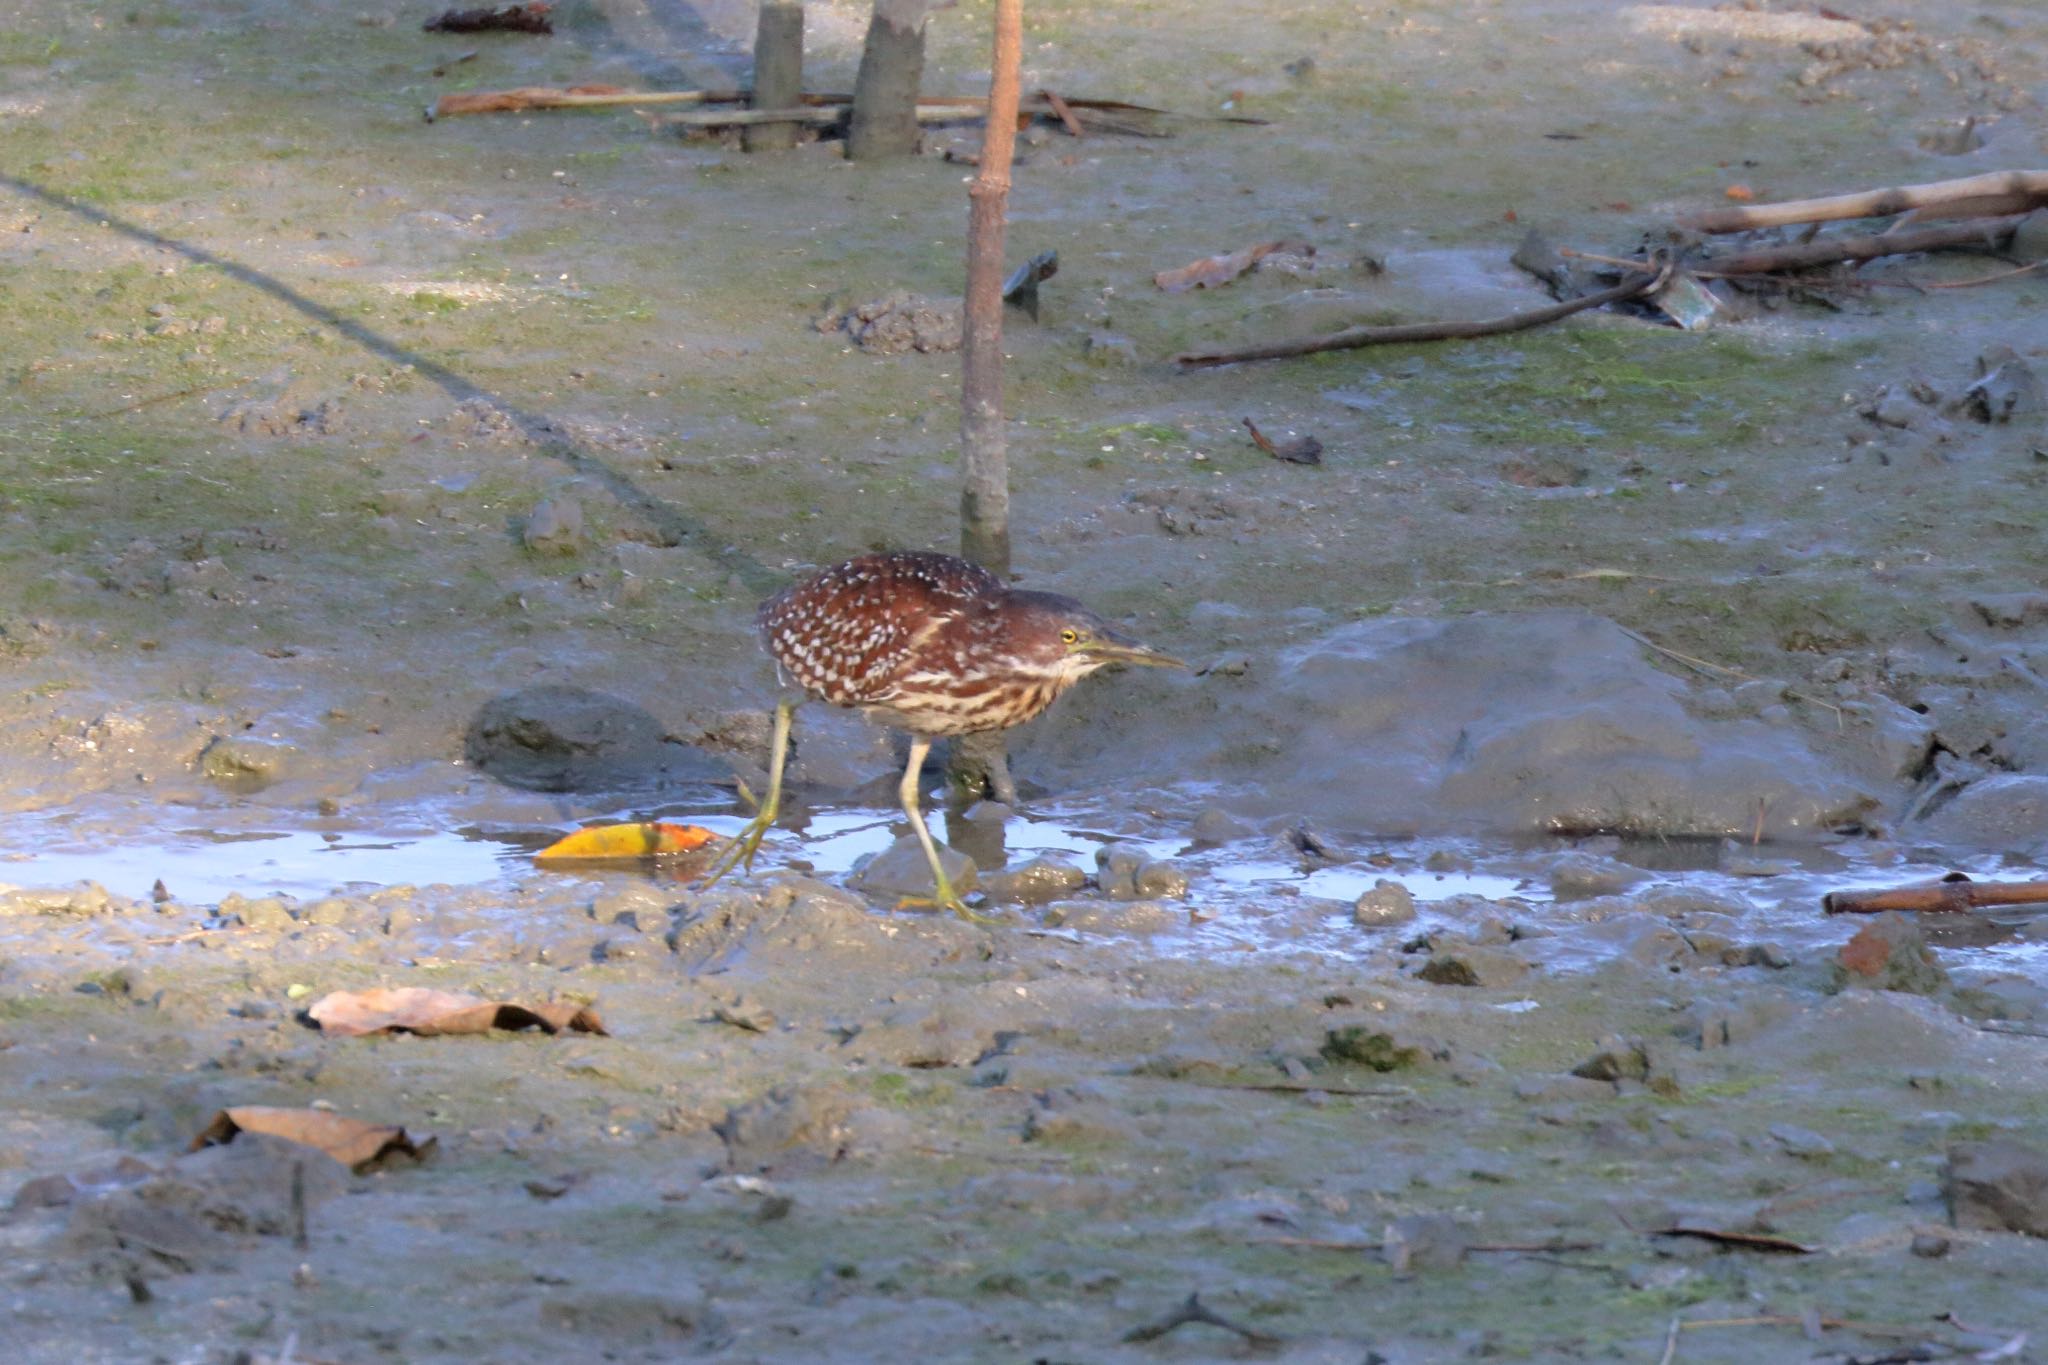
column 929, row 644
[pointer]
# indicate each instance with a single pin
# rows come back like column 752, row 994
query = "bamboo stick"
column 1948, row 898
column 2030, row 187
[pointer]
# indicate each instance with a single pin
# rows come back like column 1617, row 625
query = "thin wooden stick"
column 1985, row 232
column 2031, row 185
column 1352, row 338
column 1943, row 898
column 1063, row 113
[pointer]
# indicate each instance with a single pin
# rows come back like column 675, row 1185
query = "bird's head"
column 1058, row 637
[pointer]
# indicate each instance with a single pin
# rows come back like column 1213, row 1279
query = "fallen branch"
column 1194, row 1310
column 1989, row 233
column 1081, row 112
column 2021, row 188
column 1954, row 895
column 1352, row 338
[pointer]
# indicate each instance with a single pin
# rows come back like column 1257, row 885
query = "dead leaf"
column 638, row 839
column 355, row 1143
column 527, row 18
column 1305, row 450
column 1211, row 271
column 415, row 1009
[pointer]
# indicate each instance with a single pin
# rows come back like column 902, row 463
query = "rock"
column 1109, row 348
column 1388, row 903
column 2006, row 387
column 1593, row 735
column 1033, row 883
column 901, row 870
column 82, row 899
column 2008, row 813
column 554, row 526
column 789, row 1127
column 1618, row 1059
column 1362, row 1045
column 1998, row 1184
column 1576, row 876
column 246, row 764
column 1929, row 1245
column 1160, row 880
column 1116, row 870
column 1458, row 965
column 559, row 738
column 1213, row 828
column 1889, row 953
column 2030, row 238
column 266, row 912
column 1801, row 1142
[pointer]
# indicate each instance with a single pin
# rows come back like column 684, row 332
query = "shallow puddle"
column 1246, row 896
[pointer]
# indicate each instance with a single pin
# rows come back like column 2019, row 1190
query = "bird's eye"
column 1069, row 635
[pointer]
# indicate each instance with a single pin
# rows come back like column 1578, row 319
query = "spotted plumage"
column 929, row 644
column 932, row 644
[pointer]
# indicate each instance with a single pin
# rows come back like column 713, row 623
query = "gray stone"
column 554, row 526
column 1617, row 1059
column 559, row 738
column 1576, row 876
column 1460, row 965
column 1593, row 735
column 266, row 912
column 1214, row 828
column 1386, row 904
column 1160, row 880
column 1033, row 883
column 1801, row 1142
column 2008, row 813
column 901, row 870
column 1890, row 953
column 1998, row 1184
column 1116, row 870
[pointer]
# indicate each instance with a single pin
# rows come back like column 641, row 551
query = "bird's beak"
column 1114, row 647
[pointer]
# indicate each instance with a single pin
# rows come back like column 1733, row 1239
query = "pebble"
column 1386, row 904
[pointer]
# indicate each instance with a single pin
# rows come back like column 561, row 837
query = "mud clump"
column 899, row 323
column 561, row 738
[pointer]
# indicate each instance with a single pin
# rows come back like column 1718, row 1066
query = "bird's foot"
column 739, row 850
column 946, row 899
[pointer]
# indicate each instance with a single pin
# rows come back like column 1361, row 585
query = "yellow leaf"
column 640, row 839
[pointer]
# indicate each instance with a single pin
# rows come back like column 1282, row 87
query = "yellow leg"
column 739, row 850
column 907, row 793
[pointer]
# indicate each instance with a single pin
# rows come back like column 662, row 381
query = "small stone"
column 1889, row 953
column 1930, row 1246
column 1463, row 966
column 554, row 526
column 1116, row 870
column 1214, row 828
column 1386, row 904
column 1801, row 1142
column 1618, row 1059
column 1363, row 1045
column 902, row 870
column 1160, row 880
column 1577, row 876
column 266, row 912
column 1034, row 883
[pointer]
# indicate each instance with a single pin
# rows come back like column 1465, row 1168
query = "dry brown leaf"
column 1211, row 271
column 356, row 1144
column 639, row 839
column 416, row 1009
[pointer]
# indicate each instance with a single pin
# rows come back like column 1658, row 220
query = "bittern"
column 928, row 644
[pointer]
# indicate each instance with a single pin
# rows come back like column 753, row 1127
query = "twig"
column 1748, row 1241
column 1724, row 671
column 1382, row 1093
column 2032, row 186
column 1987, row 279
column 1352, row 338
column 1195, row 1311
column 2011, row 1027
column 1063, row 113
column 1670, row 1344
column 1986, row 232
column 1518, row 1248
column 1953, row 895
column 300, row 1238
